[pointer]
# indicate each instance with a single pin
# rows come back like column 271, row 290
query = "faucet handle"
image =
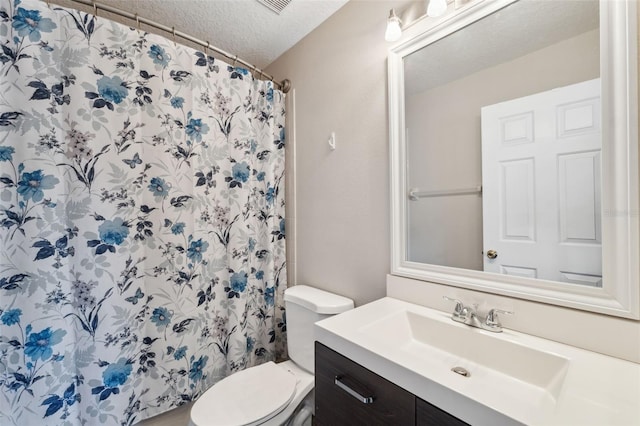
column 492, row 322
column 457, row 311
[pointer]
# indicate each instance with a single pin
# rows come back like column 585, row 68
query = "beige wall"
column 340, row 220
column 445, row 143
column 341, row 198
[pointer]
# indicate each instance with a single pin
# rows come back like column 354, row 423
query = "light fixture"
column 436, row 8
column 394, row 31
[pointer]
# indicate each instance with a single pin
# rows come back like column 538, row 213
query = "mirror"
column 514, row 163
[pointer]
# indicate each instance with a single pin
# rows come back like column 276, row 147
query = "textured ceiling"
column 514, row 31
column 241, row 27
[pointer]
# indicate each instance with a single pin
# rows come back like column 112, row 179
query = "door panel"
column 579, row 197
column 517, row 201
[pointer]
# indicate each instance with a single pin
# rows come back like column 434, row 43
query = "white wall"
column 342, row 198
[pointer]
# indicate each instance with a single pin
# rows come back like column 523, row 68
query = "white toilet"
column 274, row 394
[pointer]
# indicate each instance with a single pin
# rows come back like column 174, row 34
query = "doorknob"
column 492, row 254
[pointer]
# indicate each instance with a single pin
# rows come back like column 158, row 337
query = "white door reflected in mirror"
column 541, row 185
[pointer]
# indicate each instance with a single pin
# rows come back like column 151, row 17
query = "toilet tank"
column 304, row 307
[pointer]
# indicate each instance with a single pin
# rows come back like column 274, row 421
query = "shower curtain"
column 142, row 252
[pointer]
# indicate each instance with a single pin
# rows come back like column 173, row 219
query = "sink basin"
column 500, row 370
column 503, row 365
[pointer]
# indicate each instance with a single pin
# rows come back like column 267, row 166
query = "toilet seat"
column 241, row 399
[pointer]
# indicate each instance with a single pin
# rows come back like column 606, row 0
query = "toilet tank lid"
column 319, row 301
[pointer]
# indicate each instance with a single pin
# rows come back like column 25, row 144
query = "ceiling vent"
column 276, row 5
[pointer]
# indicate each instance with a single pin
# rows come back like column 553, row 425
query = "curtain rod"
column 285, row 85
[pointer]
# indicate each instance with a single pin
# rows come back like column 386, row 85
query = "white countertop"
column 597, row 389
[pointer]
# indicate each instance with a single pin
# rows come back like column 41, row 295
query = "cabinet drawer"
column 339, row 403
column 430, row 415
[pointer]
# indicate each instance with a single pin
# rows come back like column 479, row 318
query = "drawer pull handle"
column 357, row 395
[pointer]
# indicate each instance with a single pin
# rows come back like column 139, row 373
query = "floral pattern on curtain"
column 141, row 220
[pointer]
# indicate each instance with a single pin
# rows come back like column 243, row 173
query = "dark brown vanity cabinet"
column 348, row 394
column 430, row 415
column 390, row 404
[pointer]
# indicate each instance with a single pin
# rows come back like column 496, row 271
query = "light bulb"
column 393, row 32
column 436, row 8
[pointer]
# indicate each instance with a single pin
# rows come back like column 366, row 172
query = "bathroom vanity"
column 394, row 362
column 351, row 394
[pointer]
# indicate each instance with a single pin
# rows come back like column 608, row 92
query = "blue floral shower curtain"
column 141, row 220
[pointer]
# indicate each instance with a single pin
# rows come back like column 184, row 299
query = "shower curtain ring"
column 206, row 49
column 173, row 30
column 138, row 21
column 48, row 4
column 234, row 61
column 95, row 9
column 261, row 75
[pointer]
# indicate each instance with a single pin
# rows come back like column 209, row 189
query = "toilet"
column 274, row 394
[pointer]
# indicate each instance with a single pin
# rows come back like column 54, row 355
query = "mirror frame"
column 620, row 294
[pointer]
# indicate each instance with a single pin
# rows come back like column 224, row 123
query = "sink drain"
column 461, row 371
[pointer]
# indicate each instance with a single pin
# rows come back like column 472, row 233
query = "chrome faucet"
column 469, row 315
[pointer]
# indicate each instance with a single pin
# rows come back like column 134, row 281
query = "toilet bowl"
column 267, row 394
column 270, row 393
